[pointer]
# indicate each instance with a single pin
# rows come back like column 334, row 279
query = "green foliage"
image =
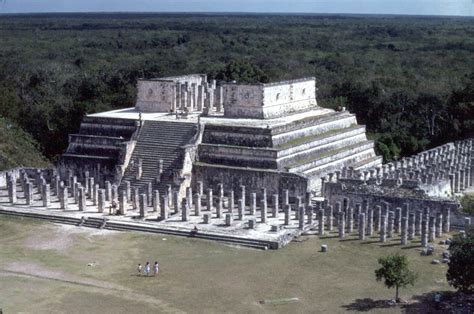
column 18, row 148
column 242, row 71
column 407, row 78
column 467, row 203
column 395, row 272
column 460, row 273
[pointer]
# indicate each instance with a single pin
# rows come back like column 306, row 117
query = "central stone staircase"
column 159, row 140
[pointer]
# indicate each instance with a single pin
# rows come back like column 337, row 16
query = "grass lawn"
column 44, row 268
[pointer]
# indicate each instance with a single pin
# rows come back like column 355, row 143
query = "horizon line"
column 236, row 13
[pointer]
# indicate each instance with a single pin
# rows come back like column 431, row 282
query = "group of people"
column 147, row 269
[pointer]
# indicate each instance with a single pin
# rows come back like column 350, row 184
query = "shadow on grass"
column 410, row 247
column 418, row 304
column 391, row 245
column 329, row 237
column 367, row 304
column 348, row 240
column 371, row 242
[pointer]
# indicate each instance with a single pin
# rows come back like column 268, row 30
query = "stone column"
column 242, row 193
column 253, row 203
column 82, row 199
column 219, row 207
column 411, row 228
column 378, row 215
column 149, row 193
column 189, row 196
column 164, row 208
column 185, row 210
column 209, row 200
column 275, row 205
column 361, row 226
column 207, row 218
column 418, row 222
column 447, row 220
column 197, row 204
column 432, row 229
column 95, row 194
column 46, row 195
column 63, row 198
column 286, row 197
column 467, row 222
column 300, row 217
column 342, row 225
column 142, row 205
column 29, row 193
column 309, row 213
column 321, row 222
column 404, row 231
column 176, row 202
column 156, row 201
column 108, row 191
column 231, row 201
column 439, row 225
column 57, row 181
column 76, row 192
column 330, row 218
column 139, row 172
column 101, row 200
column 220, row 190
column 383, row 229
column 122, row 202
column 200, row 98
column 398, row 219
column 135, row 199
column 287, row 214
column 228, row 220
column 115, row 193
column 350, row 220
column 241, row 209
column 424, row 232
column 12, row 191
column 252, row 223
column 370, row 222
column 90, row 187
column 299, row 203
column 200, row 188
column 169, row 194
column 263, row 210
column 391, row 220
column 219, row 98
column 128, row 190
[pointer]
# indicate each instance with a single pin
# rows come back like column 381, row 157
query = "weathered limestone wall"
column 155, row 96
column 253, row 179
column 266, row 101
column 164, row 94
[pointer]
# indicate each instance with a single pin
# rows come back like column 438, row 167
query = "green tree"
column 395, row 272
column 460, row 273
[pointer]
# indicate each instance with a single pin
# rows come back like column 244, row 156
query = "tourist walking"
column 155, row 269
column 139, row 269
column 147, row 268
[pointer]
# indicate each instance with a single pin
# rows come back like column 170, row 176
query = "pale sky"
column 417, row 7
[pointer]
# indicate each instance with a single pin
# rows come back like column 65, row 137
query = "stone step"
column 328, row 156
column 338, row 122
column 309, row 121
column 320, row 147
column 159, row 140
column 368, row 163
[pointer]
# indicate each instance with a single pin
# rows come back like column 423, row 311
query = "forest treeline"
column 409, row 79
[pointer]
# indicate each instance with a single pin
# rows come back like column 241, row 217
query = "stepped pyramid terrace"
column 184, row 130
column 254, row 165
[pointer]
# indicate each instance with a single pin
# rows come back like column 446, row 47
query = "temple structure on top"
column 186, row 129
